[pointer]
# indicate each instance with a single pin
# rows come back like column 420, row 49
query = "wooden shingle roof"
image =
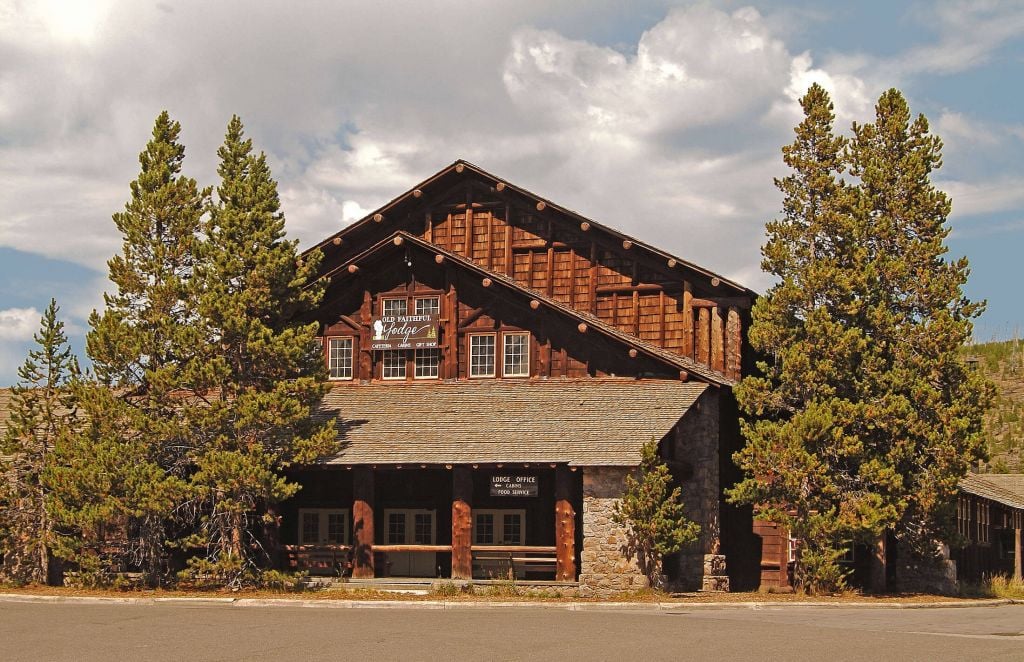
column 593, row 422
column 1007, row 489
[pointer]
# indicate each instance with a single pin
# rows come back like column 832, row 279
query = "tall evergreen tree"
column 927, row 406
column 41, row 408
column 863, row 418
column 263, row 371
column 124, row 469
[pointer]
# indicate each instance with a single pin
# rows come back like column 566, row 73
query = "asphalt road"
column 85, row 632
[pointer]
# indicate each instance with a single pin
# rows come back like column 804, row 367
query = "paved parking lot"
column 70, row 631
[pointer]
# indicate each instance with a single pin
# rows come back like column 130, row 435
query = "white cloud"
column 674, row 138
column 18, row 323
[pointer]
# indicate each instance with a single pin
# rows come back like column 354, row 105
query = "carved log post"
column 565, row 526
column 717, row 341
column 1018, row 562
column 733, row 344
column 362, row 522
column 462, row 523
column 704, row 337
column 878, row 565
column 272, row 535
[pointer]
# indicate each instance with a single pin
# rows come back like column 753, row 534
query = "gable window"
column 516, row 354
column 394, row 307
column 339, row 358
column 392, row 364
column 427, row 363
column 481, row 355
column 428, row 305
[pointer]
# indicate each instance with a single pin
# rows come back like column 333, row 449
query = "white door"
column 411, row 527
column 498, row 528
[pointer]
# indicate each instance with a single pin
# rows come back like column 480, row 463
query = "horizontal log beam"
column 523, row 549
column 412, row 548
column 642, row 287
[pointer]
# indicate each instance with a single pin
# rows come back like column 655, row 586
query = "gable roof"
column 463, row 168
column 666, row 356
column 591, row 422
column 1007, row 489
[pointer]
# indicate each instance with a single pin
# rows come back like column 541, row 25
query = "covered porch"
column 452, row 521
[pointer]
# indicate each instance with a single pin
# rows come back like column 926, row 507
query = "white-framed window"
column 428, row 362
column 499, row 527
column 392, row 307
column 481, row 355
column 516, row 354
column 849, row 554
column 323, row 526
column 392, row 364
column 428, row 305
column 339, row 357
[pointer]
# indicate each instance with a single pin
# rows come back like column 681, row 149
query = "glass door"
column 408, row 526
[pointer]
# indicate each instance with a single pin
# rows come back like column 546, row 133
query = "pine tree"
column 263, row 371
column 654, row 515
column 41, row 408
column 927, row 406
column 123, row 471
column 863, row 417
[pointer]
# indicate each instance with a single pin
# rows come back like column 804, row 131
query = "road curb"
column 445, row 605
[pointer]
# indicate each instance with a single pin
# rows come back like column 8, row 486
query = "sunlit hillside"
column 1003, row 363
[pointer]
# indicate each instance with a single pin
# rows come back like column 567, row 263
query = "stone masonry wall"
column 696, row 442
column 604, row 568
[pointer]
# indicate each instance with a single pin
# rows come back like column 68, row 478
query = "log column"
column 362, row 522
column 565, row 526
column 1018, row 552
column 462, row 523
column 878, row 565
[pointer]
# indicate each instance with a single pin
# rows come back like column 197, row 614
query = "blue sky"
column 663, row 119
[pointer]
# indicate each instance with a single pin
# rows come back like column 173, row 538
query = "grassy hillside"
column 1003, row 363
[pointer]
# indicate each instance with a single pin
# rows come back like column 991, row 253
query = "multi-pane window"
column 311, row 527
column 392, row 363
column 423, row 529
column 396, row 528
column 484, row 529
column 428, row 305
column 516, row 354
column 512, row 529
column 427, row 363
column 481, row 355
column 339, row 358
column 336, row 527
column 394, row 307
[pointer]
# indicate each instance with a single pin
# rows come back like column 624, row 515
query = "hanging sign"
column 514, row 486
column 404, row 332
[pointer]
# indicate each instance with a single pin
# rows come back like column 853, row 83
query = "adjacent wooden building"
column 497, row 363
column 990, row 518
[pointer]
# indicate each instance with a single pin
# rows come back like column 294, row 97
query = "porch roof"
column 596, row 422
column 1007, row 489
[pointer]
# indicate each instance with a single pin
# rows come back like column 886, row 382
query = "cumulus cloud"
column 673, row 137
column 18, row 323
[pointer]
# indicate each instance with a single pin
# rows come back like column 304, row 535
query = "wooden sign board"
column 514, row 486
column 404, row 332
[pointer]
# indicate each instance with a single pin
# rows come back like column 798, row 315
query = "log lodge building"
column 497, row 361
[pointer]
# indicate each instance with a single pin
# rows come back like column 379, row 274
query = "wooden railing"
column 502, row 560
column 330, row 559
